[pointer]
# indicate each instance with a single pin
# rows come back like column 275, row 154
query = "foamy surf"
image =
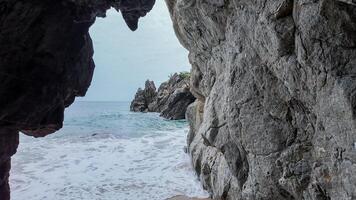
column 104, row 164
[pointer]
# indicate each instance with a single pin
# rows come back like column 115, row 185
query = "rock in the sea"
column 171, row 99
column 275, row 80
column 144, row 98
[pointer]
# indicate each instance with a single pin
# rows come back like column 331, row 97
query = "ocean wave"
column 110, row 165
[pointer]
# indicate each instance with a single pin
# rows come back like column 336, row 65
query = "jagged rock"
column 174, row 96
column 144, row 98
column 45, row 62
column 177, row 104
column 171, row 99
column 275, row 83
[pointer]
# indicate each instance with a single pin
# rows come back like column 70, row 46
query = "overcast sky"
column 125, row 59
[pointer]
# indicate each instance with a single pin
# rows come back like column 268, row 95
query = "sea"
column 105, row 152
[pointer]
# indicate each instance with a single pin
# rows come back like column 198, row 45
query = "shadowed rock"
column 9, row 140
column 45, row 62
column 46, row 58
column 133, row 10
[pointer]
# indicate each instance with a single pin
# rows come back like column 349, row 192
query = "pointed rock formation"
column 144, row 98
column 171, row 100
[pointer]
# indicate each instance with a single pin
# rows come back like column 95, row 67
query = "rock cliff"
column 45, row 62
column 171, row 100
column 275, row 82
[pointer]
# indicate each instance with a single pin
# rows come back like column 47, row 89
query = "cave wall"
column 275, row 82
column 45, row 62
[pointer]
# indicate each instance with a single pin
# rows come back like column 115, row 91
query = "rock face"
column 46, row 57
column 171, row 99
column 275, row 81
column 45, row 62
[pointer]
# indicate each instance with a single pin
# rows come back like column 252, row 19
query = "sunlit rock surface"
column 275, row 82
column 45, row 62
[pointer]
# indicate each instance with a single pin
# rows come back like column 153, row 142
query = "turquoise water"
column 84, row 119
column 105, row 152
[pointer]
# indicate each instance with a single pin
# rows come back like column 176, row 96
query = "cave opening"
column 104, row 151
column 274, row 118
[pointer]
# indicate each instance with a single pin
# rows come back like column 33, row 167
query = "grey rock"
column 275, row 82
column 177, row 104
column 171, row 100
column 144, row 98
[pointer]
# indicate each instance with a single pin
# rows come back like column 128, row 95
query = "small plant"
column 184, row 75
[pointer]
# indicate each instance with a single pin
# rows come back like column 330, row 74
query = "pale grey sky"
column 125, row 59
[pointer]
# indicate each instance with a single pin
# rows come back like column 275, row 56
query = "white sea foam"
column 104, row 167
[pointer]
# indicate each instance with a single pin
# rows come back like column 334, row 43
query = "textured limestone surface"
column 45, row 62
column 275, row 82
column 171, row 99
